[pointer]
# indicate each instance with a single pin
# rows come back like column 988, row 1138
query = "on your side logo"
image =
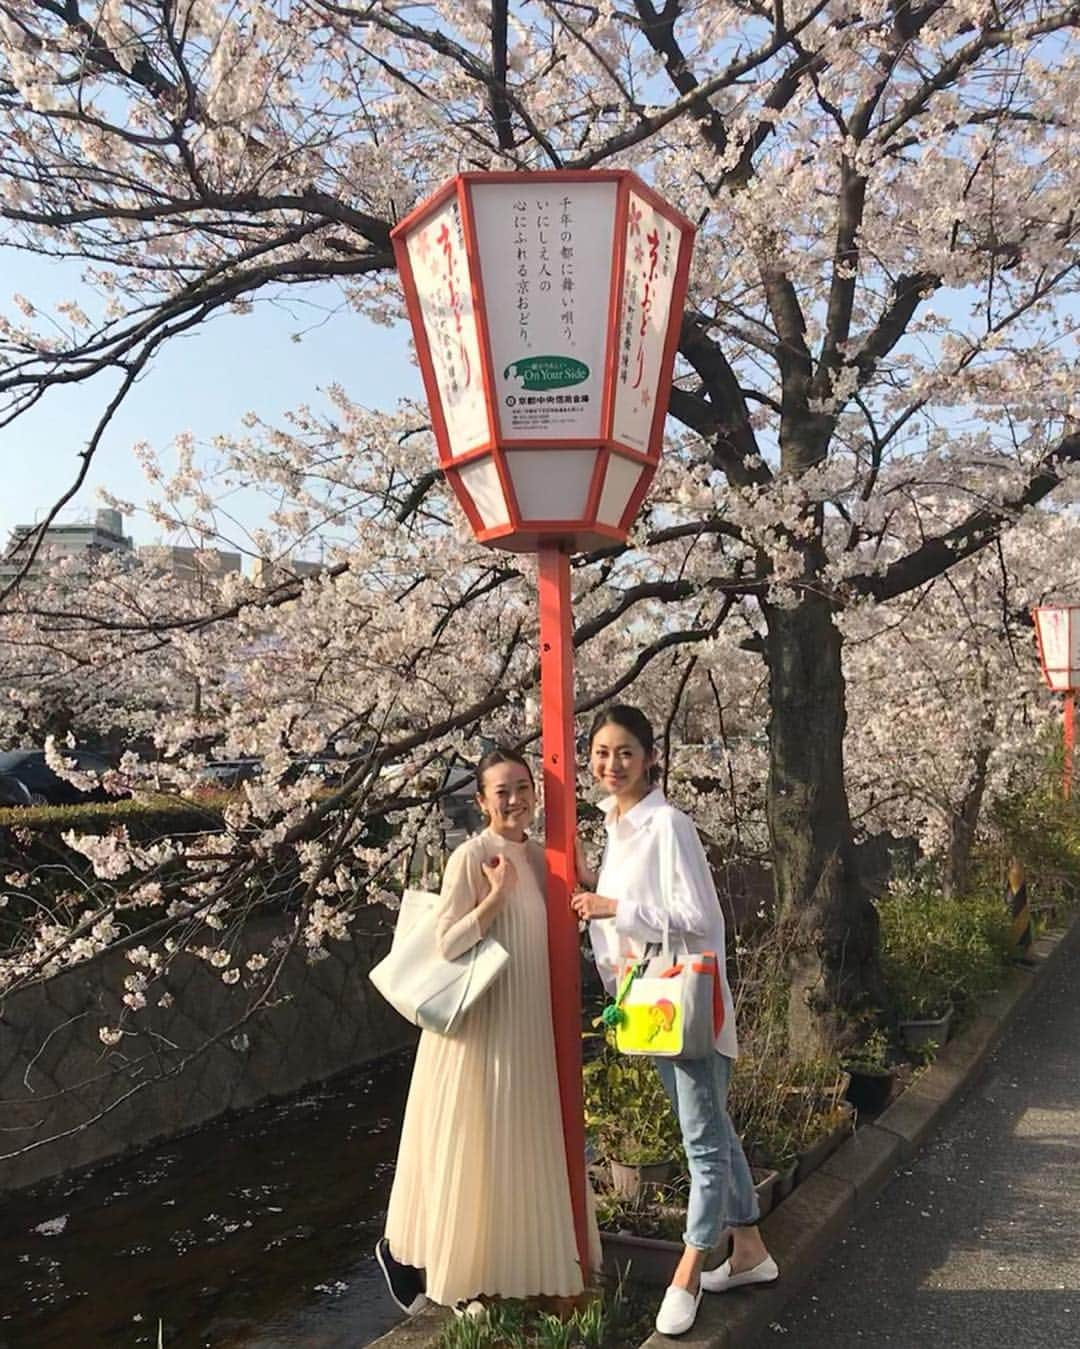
column 547, row 372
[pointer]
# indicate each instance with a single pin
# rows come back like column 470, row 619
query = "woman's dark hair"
column 498, row 756
column 631, row 719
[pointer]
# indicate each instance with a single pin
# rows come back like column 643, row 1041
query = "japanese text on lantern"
column 543, row 237
column 547, row 330
column 566, row 268
column 441, row 276
column 651, row 251
column 521, row 254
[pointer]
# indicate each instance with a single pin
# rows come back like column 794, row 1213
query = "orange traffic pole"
column 1070, row 736
column 560, row 812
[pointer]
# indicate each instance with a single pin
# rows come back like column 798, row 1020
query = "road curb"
column 804, row 1230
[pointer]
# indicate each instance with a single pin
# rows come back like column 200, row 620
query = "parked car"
column 229, row 773
column 328, row 770
column 29, row 781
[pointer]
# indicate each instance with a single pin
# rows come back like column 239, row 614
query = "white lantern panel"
column 619, row 482
column 551, row 484
column 545, row 253
column 441, row 276
column 481, row 480
column 652, row 255
column 1059, row 639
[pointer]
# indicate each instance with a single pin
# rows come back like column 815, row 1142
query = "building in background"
column 267, row 573
column 188, row 564
column 104, row 533
column 81, row 538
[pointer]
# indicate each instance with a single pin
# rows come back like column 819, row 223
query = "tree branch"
column 936, row 555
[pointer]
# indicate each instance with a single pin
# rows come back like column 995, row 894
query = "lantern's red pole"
column 560, row 812
column 1070, row 736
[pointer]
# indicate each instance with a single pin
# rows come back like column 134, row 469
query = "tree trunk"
column 963, row 826
column 825, row 915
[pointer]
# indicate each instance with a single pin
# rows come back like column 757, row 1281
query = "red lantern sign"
column 1057, row 631
column 546, row 309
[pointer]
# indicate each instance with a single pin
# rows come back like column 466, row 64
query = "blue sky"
column 203, row 383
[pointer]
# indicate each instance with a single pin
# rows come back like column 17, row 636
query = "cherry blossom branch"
column 940, row 552
column 695, row 100
column 950, row 70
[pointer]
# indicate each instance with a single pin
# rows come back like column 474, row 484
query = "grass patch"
column 168, row 812
column 608, row 1317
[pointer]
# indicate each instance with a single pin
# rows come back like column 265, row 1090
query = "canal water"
column 255, row 1231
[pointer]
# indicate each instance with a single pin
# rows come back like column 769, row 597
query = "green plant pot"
column 630, row 1181
column 917, row 1034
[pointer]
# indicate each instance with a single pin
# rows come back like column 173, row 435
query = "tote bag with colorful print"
column 670, row 1001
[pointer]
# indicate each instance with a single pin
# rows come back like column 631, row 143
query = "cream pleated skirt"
column 480, row 1198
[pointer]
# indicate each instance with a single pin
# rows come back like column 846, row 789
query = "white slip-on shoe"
column 678, row 1311
column 721, row 1279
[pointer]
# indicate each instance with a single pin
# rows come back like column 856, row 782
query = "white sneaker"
column 678, row 1311
column 721, row 1279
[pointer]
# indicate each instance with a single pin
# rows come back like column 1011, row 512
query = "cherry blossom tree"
column 877, row 365
column 946, row 706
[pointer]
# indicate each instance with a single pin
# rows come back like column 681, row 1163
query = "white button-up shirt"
column 631, row 875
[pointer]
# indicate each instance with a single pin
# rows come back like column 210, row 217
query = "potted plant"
column 820, row 1133
column 630, row 1123
column 813, row 1110
column 870, row 1077
column 939, row 955
column 923, row 1006
column 770, row 1146
column 643, row 1232
column 756, row 1103
column 634, row 1169
column 920, row 1033
column 821, row 1080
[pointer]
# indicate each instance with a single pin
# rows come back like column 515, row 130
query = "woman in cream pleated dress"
column 481, row 1201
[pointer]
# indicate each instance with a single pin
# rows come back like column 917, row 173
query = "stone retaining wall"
column 67, row 1100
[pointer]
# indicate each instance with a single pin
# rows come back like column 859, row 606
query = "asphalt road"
column 977, row 1243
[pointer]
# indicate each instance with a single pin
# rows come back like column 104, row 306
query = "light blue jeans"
column 721, row 1187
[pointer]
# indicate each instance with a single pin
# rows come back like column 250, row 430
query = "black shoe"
column 405, row 1283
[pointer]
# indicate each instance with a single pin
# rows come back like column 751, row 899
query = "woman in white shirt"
column 627, row 908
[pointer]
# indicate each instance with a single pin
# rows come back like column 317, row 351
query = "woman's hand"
column 587, row 905
column 500, row 873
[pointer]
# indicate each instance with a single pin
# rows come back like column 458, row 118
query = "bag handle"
column 667, row 892
column 466, row 984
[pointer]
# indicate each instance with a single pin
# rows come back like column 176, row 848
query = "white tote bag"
column 417, row 981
